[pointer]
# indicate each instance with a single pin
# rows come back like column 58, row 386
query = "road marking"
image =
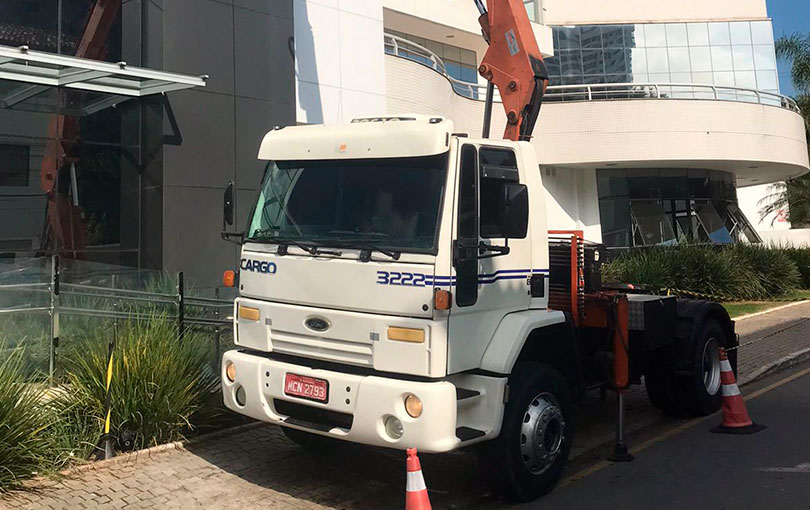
column 801, row 468
column 680, row 428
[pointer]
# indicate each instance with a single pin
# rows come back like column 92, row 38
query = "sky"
column 789, row 16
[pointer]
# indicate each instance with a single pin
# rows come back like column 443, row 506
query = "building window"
column 735, row 54
column 649, row 206
column 532, row 9
column 14, row 165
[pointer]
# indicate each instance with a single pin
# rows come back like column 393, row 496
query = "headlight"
column 413, row 405
column 230, row 371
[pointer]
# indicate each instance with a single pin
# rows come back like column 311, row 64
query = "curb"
column 769, row 310
column 783, row 362
column 133, row 457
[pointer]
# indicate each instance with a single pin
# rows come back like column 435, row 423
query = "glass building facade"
column 650, row 206
column 735, row 54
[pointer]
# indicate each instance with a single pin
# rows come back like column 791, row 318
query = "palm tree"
column 794, row 195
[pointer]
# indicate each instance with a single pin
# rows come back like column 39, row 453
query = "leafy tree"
column 794, row 195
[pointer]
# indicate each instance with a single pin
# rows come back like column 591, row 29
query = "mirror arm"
column 233, row 237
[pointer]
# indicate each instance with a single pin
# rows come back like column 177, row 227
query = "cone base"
column 620, row 454
column 748, row 429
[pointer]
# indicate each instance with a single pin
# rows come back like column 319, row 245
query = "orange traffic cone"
column 735, row 415
column 416, row 495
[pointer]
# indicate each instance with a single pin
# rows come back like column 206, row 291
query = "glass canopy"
column 48, row 69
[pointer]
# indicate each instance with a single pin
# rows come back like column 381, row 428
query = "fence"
column 45, row 302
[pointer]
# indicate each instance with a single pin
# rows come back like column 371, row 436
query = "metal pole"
column 620, row 453
column 217, row 334
column 488, row 109
column 54, row 287
column 181, row 306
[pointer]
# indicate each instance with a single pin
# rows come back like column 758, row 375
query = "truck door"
column 491, row 270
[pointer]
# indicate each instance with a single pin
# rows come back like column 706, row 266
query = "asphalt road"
column 697, row 469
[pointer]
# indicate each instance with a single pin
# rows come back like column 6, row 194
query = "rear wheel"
column 696, row 389
column 528, row 457
column 700, row 389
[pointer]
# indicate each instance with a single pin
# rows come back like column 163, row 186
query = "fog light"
column 241, row 398
column 393, row 427
column 230, row 371
column 413, row 405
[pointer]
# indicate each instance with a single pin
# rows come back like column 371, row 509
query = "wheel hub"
column 542, row 433
column 711, row 366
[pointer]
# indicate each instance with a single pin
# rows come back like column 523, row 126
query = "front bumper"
column 356, row 408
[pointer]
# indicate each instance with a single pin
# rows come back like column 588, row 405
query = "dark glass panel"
column 593, row 62
column 75, row 14
column 674, row 183
column 591, row 36
column 14, row 165
column 611, row 183
column 569, row 38
column 615, row 218
column 30, row 22
column 699, row 184
column 570, row 62
column 645, row 183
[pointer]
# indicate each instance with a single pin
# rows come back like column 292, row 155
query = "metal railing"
column 403, row 48
column 59, row 298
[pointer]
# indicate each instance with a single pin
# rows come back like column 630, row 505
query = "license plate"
column 306, row 387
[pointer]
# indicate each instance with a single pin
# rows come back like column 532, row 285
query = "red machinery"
column 64, row 227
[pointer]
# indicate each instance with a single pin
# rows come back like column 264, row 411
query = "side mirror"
column 514, row 210
column 227, row 206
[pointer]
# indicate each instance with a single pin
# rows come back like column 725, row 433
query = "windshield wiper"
column 285, row 242
column 365, row 247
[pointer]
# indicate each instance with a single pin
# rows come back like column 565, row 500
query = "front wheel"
column 528, row 457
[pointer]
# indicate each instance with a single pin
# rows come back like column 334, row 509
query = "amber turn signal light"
column 248, row 313
column 442, row 299
column 229, row 278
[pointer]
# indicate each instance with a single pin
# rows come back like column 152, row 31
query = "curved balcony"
column 758, row 136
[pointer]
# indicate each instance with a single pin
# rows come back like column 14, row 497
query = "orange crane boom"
column 512, row 63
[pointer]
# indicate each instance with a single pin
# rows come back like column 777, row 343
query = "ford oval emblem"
column 317, row 324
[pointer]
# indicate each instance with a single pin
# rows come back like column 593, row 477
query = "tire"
column 310, row 442
column 699, row 391
column 660, row 384
column 537, row 393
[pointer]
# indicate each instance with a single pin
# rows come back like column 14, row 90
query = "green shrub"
column 801, row 257
column 772, row 267
column 24, row 446
column 161, row 388
column 736, row 272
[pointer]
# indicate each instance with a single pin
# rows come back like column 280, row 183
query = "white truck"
column 399, row 287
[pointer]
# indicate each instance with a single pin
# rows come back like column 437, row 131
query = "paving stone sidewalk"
column 259, row 468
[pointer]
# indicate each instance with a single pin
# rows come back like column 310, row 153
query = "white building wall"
column 749, row 199
column 579, row 12
column 339, row 60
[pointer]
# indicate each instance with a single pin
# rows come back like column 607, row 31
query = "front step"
column 467, row 433
column 463, row 393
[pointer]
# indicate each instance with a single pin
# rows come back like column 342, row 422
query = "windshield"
column 388, row 203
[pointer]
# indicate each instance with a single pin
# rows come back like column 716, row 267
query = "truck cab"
column 394, row 290
column 380, row 259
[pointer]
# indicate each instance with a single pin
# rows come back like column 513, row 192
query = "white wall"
column 572, row 200
column 794, row 237
column 339, row 60
column 458, row 19
column 574, row 12
column 748, row 199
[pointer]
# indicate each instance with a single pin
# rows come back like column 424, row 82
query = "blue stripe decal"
column 425, row 280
